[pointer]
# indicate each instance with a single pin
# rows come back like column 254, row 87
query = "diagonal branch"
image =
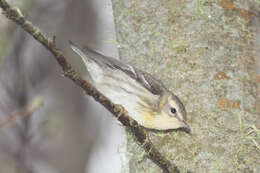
column 118, row 111
column 27, row 110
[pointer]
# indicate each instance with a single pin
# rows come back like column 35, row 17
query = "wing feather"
column 149, row 82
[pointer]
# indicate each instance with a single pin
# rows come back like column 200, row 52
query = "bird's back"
column 149, row 82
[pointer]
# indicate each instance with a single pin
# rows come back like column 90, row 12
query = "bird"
column 146, row 99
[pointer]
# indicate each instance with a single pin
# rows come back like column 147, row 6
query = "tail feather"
column 93, row 67
column 79, row 52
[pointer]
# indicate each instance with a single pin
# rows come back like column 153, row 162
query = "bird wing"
column 146, row 80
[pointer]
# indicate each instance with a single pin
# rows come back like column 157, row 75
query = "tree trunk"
column 206, row 53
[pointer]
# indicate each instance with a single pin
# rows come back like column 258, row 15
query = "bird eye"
column 173, row 110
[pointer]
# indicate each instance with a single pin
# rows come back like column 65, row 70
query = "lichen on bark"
column 204, row 51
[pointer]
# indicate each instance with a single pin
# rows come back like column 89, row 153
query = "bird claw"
column 120, row 110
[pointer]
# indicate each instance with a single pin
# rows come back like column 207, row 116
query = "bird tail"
column 93, row 67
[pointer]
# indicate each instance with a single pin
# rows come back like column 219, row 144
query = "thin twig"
column 34, row 105
column 118, row 111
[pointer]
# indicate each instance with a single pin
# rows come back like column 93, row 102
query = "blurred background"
column 62, row 130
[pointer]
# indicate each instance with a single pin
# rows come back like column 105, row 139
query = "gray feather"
column 148, row 81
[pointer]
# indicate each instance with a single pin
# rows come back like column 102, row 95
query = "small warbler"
column 145, row 98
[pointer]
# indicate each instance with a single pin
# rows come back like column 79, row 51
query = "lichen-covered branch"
column 118, row 111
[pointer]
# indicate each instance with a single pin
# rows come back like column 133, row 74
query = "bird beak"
column 186, row 128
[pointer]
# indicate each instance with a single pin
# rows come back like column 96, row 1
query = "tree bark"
column 206, row 53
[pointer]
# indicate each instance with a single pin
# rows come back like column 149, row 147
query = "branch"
column 27, row 110
column 118, row 111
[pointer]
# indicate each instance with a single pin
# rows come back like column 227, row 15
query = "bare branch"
column 27, row 110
